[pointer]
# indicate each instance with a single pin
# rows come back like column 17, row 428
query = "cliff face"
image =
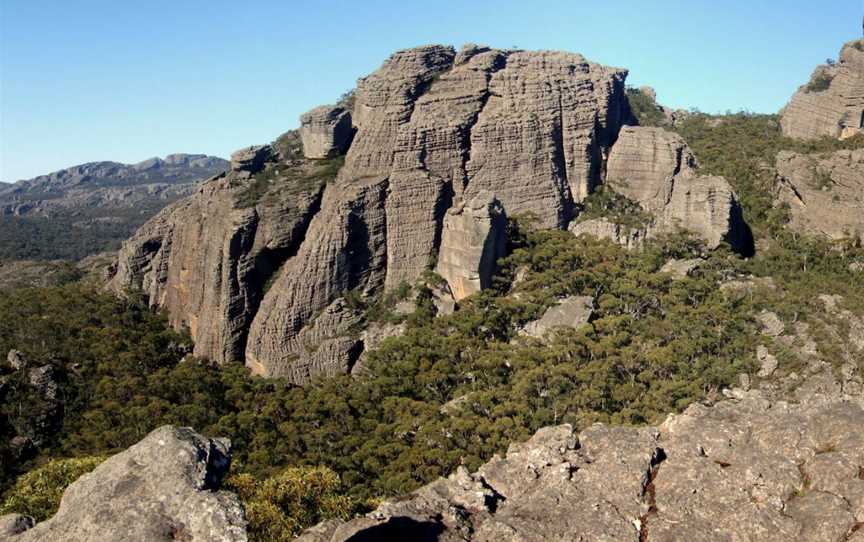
column 434, row 136
column 832, row 102
column 433, row 129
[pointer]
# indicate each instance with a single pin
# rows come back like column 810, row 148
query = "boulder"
column 572, row 312
column 772, row 325
column 603, row 228
column 326, row 132
column 824, row 192
column 251, row 159
column 656, row 169
column 166, row 487
column 473, row 239
column 832, row 103
column 767, row 362
column 681, row 268
column 15, row 359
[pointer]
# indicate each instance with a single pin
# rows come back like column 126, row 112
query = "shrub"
column 38, row 492
column 820, row 82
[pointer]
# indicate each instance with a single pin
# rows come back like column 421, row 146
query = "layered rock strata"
column 473, row 239
column 433, row 127
column 824, row 192
column 326, row 132
column 832, row 103
column 656, row 169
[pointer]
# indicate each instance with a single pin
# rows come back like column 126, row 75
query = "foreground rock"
column 656, row 169
column 832, row 103
column 163, row 488
column 433, row 127
column 745, row 469
column 825, row 192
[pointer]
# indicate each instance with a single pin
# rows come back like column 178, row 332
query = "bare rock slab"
column 572, row 312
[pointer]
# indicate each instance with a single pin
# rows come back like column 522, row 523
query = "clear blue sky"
column 85, row 80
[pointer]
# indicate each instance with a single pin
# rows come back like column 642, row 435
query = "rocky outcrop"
column 473, row 239
column 251, row 159
column 572, row 312
column 166, row 487
column 433, row 127
column 603, row 228
column 832, row 103
column 656, row 169
column 825, row 192
column 326, row 132
column 747, row 468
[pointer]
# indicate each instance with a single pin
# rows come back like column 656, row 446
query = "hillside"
column 490, row 295
column 92, row 207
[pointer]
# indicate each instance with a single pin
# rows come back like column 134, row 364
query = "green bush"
column 820, row 82
column 281, row 506
column 644, row 109
column 38, row 492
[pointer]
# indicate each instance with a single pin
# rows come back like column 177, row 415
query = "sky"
column 89, row 80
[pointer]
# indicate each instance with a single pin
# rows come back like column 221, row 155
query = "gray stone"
column 12, row 524
column 163, row 488
column 326, row 132
column 603, row 228
column 251, row 159
column 681, row 268
column 572, row 312
column 771, row 324
column 825, row 192
column 767, row 362
column 15, row 358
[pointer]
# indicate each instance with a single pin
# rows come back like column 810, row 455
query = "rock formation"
column 744, row 469
column 656, row 169
column 326, row 132
column 832, row 102
column 825, row 192
column 433, row 127
column 573, row 312
column 163, row 488
column 472, row 241
column 603, row 228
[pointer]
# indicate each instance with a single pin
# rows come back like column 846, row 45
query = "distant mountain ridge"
column 91, row 184
column 88, row 208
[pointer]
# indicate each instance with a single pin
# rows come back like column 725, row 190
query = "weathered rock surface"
column 572, row 312
column 12, row 524
column 473, row 239
column 825, row 192
column 251, row 159
column 163, row 488
column 656, row 169
column 681, row 268
column 326, row 132
column 744, row 469
column 433, row 127
column 832, row 102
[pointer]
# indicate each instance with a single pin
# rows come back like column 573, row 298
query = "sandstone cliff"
column 433, row 129
column 825, row 192
column 832, row 102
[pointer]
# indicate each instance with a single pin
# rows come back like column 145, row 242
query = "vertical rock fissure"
column 649, row 496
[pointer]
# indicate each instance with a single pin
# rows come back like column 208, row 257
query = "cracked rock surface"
column 743, row 469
